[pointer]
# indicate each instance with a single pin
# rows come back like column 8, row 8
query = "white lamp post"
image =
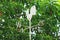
column 29, row 17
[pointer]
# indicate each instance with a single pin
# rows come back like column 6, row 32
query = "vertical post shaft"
column 30, row 30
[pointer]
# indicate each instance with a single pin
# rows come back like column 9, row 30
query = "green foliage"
column 47, row 11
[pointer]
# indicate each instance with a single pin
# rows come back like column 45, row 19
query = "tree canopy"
column 14, row 23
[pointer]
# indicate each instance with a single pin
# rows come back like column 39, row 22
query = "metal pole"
column 30, row 30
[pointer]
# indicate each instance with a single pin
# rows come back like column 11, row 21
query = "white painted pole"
column 30, row 30
column 29, row 16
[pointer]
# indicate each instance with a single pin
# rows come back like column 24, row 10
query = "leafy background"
column 44, row 23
